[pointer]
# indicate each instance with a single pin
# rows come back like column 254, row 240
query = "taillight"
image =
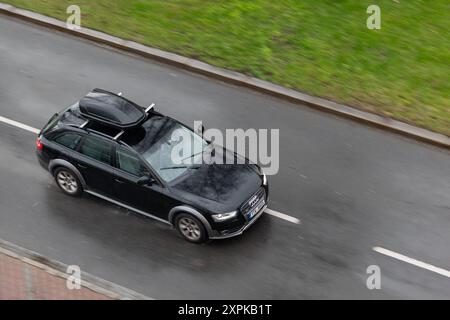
column 39, row 144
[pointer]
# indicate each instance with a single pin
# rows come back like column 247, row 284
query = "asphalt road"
column 353, row 188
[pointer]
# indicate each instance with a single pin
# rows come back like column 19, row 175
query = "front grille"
column 252, row 201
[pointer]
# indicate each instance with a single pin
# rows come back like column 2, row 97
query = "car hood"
column 219, row 188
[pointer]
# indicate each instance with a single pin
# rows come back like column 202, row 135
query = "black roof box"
column 111, row 110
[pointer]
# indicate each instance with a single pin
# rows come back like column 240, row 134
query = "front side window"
column 129, row 162
column 97, row 149
column 69, row 140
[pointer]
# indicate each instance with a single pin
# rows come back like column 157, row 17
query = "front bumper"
column 218, row 235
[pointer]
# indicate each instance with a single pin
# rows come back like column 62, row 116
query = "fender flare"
column 64, row 163
column 195, row 213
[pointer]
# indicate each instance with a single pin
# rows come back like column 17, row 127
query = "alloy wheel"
column 189, row 228
column 67, row 182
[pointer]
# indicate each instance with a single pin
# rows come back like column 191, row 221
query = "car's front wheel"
column 190, row 228
column 68, row 181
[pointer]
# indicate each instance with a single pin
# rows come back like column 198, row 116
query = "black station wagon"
column 112, row 148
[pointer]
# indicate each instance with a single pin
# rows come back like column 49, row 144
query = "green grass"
column 319, row 47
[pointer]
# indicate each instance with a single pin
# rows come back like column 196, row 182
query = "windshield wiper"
column 181, row 167
column 193, row 155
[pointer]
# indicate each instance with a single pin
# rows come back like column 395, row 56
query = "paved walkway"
column 20, row 280
column 27, row 275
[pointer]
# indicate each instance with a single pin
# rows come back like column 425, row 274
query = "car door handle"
column 82, row 166
column 119, row 181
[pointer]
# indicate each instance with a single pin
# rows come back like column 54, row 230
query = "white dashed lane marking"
column 36, row 131
column 19, row 125
column 412, row 261
column 282, row 216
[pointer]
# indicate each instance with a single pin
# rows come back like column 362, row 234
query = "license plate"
column 255, row 210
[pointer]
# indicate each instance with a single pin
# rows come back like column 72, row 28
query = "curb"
column 236, row 78
column 58, row 269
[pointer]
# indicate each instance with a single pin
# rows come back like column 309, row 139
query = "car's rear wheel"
column 190, row 228
column 68, row 182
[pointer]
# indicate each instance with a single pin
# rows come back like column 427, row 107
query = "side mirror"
column 145, row 181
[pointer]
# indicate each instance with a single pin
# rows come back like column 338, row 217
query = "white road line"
column 412, row 261
column 19, row 125
column 34, row 130
column 282, row 216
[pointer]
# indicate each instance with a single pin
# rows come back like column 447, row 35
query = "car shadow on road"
column 118, row 235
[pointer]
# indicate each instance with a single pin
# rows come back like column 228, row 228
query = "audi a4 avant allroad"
column 111, row 148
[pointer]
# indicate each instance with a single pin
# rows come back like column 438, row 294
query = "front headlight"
column 224, row 216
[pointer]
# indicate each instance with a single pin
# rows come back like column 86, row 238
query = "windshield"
column 169, row 147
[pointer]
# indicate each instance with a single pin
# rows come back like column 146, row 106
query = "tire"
column 68, row 181
column 190, row 228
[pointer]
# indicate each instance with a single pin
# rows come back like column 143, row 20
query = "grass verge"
column 322, row 48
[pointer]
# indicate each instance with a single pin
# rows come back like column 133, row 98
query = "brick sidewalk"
column 26, row 275
column 22, row 281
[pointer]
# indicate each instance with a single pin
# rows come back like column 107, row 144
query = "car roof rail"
column 117, row 136
column 84, row 124
column 105, row 135
column 150, row 107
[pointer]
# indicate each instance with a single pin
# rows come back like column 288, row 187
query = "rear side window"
column 97, row 149
column 69, row 140
column 129, row 162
